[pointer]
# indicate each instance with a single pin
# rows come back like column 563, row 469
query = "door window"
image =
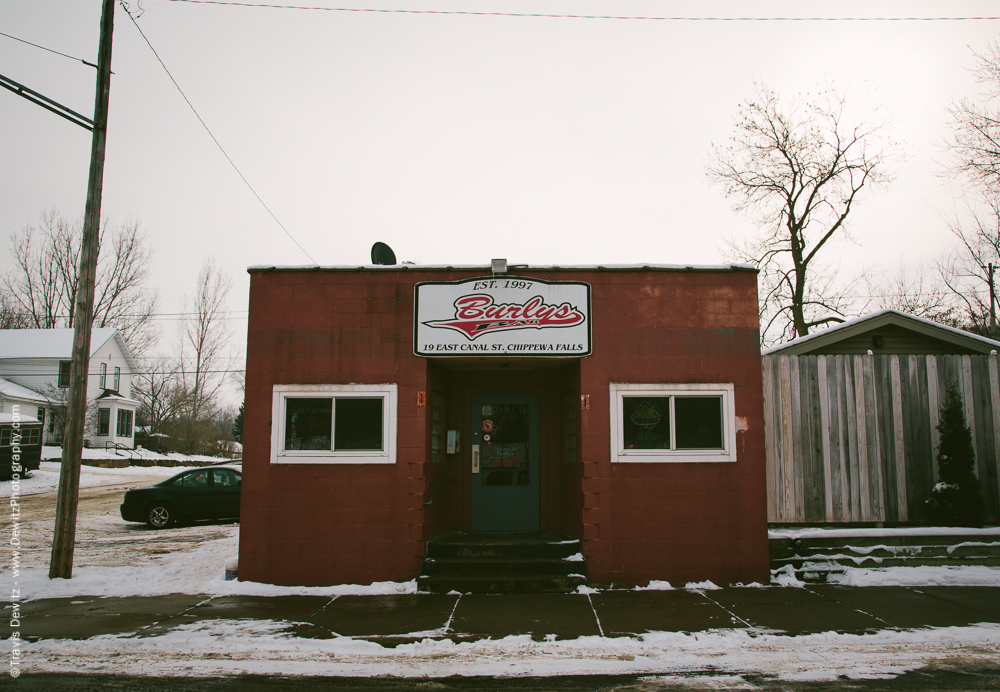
column 504, row 446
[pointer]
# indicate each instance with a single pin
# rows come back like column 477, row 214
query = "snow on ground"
column 820, row 532
column 46, row 478
column 231, row 647
column 52, row 453
column 116, row 558
column 964, row 575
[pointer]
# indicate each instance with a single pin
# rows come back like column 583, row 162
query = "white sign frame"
column 502, row 316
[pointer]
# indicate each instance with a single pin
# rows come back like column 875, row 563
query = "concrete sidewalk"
column 397, row 619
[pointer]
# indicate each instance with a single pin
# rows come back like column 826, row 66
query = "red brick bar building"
column 390, row 405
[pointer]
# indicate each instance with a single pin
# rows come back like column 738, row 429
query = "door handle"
column 475, row 458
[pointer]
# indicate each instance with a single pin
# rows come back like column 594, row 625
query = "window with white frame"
column 103, row 421
column 332, row 424
column 124, row 427
column 673, row 422
column 103, row 380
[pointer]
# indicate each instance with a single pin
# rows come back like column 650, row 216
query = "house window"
column 118, row 374
column 673, row 422
column 63, row 374
column 103, row 383
column 124, row 427
column 103, row 421
column 317, row 424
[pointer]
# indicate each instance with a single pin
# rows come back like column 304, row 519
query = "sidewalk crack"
column 600, row 627
column 447, row 625
column 731, row 613
column 855, row 608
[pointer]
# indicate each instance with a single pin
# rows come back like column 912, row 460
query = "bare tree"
column 160, row 392
column 966, row 269
column 975, row 149
column 975, row 144
column 12, row 316
column 914, row 289
column 204, row 336
column 45, row 278
column 797, row 169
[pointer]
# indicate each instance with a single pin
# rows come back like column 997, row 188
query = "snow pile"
column 832, row 567
column 50, row 453
column 199, row 571
column 231, row 647
column 188, row 572
column 46, row 478
column 656, row 585
column 964, row 575
column 220, row 587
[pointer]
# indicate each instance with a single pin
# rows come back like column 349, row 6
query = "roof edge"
column 857, row 324
column 511, row 269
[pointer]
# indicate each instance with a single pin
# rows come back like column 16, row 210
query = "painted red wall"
column 322, row 524
column 339, row 523
column 679, row 522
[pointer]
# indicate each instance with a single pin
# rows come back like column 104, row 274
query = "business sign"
column 502, row 316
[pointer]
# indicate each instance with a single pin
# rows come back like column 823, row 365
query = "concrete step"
column 502, row 563
column 472, row 566
column 502, row 546
column 816, row 557
column 915, row 561
column 501, row 584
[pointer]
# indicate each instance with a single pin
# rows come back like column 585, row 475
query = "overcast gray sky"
column 458, row 138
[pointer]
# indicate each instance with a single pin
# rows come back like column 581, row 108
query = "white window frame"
column 619, row 454
column 281, row 392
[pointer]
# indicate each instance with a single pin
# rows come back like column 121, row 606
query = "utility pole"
column 64, row 539
column 993, row 305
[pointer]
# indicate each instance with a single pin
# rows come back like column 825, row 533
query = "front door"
column 505, row 462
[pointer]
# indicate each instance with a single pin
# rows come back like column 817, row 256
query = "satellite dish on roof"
column 382, row 254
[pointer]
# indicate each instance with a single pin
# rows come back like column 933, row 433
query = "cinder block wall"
column 320, row 524
column 340, row 523
column 675, row 521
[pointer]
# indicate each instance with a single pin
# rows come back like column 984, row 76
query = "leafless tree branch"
column 797, row 170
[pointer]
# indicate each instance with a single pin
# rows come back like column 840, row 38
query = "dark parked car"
column 20, row 445
column 207, row 493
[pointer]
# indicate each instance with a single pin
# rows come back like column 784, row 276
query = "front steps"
column 502, row 563
column 824, row 555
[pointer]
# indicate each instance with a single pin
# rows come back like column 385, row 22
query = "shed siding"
column 880, row 432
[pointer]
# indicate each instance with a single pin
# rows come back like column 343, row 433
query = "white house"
column 34, row 375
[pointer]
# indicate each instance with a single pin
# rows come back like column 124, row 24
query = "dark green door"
column 505, row 462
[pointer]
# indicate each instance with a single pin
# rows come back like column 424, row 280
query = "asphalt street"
column 940, row 678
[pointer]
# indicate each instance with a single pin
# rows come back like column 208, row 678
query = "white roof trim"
column 12, row 390
column 41, row 344
column 512, row 269
column 878, row 318
column 9, row 418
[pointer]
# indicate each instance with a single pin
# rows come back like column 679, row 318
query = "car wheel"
column 159, row 516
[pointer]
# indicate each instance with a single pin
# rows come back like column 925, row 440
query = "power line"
column 585, row 16
column 49, row 49
column 231, row 163
column 95, row 373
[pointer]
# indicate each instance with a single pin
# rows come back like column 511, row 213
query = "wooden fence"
column 854, row 438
